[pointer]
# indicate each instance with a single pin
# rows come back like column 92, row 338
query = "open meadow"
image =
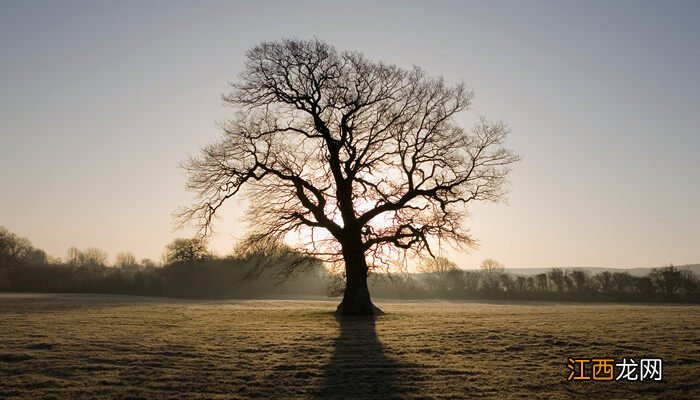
column 100, row 346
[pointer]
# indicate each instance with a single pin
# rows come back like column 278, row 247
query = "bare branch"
column 339, row 154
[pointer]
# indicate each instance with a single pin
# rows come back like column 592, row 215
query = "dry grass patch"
column 90, row 346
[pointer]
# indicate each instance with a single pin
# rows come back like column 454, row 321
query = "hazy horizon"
column 101, row 101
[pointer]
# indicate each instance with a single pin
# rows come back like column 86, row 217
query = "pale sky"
column 99, row 102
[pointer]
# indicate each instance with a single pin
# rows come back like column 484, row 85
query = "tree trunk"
column 356, row 299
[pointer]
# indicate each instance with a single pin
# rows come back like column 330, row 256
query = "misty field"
column 94, row 346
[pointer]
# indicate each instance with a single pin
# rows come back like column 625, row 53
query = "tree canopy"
column 352, row 160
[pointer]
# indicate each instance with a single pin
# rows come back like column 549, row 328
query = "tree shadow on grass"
column 360, row 368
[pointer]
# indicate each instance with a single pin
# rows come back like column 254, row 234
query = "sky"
column 100, row 101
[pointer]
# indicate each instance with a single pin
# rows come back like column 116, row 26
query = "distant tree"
column 569, row 283
column 74, row 256
column 286, row 261
column 363, row 161
column 456, row 281
column 530, row 283
column 491, row 271
column 521, row 284
column 667, row 279
column 542, row 282
column 556, row 276
column 604, row 280
column 91, row 256
column 183, row 250
column 125, row 260
column 15, row 250
column 689, row 282
column 623, row 282
column 644, row 285
column 507, row 282
column 37, row 257
column 440, row 272
column 471, row 280
column 95, row 256
column 580, row 279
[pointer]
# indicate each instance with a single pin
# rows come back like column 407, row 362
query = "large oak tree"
column 361, row 161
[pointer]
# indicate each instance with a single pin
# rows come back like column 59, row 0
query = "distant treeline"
column 441, row 278
column 188, row 270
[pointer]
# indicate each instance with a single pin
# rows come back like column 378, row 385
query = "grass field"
column 93, row 346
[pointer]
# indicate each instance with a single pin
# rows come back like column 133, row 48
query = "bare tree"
column 439, row 271
column 125, row 260
column 274, row 254
column 604, row 279
column 542, row 282
column 622, row 281
column 471, row 281
column 580, row 279
column 667, row 279
column 507, row 282
column 74, row 256
column 556, row 276
column 530, row 283
column 360, row 163
column 15, row 250
column 91, row 256
column 95, row 256
column 491, row 271
column 182, row 250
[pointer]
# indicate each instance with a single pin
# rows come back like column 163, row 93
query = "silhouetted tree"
column 274, row 254
column 471, row 281
column 569, row 283
column 491, row 271
column 542, row 282
column 507, row 282
column 556, row 276
column 644, row 285
column 362, row 160
column 622, row 282
column 15, row 250
column 580, row 279
column 125, row 260
column 530, row 283
column 604, row 280
column 667, row 279
column 440, row 272
column 689, row 282
column 183, row 250
column 456, row 281
column 37, row 257
column 73, row 256
column 91, row 256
